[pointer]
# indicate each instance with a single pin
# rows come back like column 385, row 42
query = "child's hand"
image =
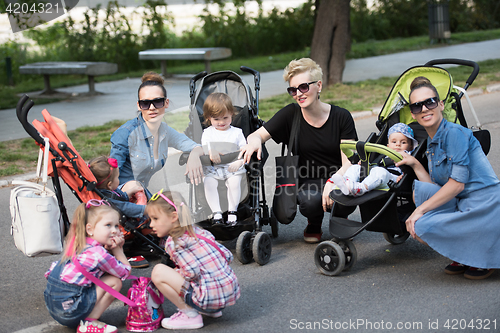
column 214, row 156
column 132, row 187
column 117, row 243
column 234, row 166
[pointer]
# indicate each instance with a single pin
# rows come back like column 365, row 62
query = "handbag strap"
column 211, row 242
column 103, row 285
column 294, row 133
column 43, row 162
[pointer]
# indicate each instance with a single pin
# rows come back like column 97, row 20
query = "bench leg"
column 47, row 90
column 164, row 68
column 91, row 85
column 207, row 66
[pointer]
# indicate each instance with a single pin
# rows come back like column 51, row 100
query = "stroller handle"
column 460, row 62
column 22, row 114
column 192, row 82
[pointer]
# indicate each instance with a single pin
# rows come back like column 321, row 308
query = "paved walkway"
column 119, row 98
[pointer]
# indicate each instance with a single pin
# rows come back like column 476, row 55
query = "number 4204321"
column 475, row 324
column 33, row 8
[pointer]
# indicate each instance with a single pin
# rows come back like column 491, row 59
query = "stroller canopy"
column 70, row 165
column 398, row 99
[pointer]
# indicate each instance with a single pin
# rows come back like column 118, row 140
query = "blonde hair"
column 76, row 239
column 184, row 222
column 422, row 82
column 103, row 172
column 216, row 105
column 152, row 79
column 300, row 66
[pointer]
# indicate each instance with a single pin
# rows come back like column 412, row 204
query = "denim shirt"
column 455, row 153
column 132, row 146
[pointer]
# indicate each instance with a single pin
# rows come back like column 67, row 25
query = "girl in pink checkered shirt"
column 95, row 241
column 203, row 283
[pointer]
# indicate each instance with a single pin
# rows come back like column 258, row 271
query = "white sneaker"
column 181, row 321
column 95, row 327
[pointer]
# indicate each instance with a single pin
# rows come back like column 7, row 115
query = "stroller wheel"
column 329, row 258
column 261, row 248
column 350, row 253
column 244, row 247
column 396, row 239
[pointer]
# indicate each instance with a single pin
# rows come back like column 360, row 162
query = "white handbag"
column 37, row 225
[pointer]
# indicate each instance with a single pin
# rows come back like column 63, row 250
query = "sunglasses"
column 159, row 194
column 303, row 88
column 144, row 104
column 430, row 103
column 96, row 203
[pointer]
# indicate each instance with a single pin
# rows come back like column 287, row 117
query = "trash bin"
column 439, row 20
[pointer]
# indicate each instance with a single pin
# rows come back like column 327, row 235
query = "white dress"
column 224, row 142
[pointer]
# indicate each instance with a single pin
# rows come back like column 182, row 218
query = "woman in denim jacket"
column 141, row 145
column 458, row 200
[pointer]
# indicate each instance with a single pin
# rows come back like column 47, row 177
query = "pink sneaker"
column 180, row 321
column 95, row 327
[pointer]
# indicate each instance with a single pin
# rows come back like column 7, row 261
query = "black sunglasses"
column 430, row 103
column 303, row 88
column 144, row 104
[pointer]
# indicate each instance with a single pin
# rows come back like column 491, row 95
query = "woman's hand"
column 194, row 169
column 234, row 166
column 326, row 200
column 254, row 144
column 410, row 222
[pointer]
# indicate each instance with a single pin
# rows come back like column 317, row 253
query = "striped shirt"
column 95, row 259
column 214, row 283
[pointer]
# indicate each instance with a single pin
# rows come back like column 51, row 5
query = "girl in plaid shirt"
column 96, row 243
column 203, row 282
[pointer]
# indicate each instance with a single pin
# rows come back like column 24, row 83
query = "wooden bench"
column 207, row 54
column 91, row 69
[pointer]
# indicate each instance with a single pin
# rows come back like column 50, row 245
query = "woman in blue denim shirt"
column 458, row 200
column 141, row 145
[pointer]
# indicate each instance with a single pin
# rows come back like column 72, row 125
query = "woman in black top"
column 322, row 128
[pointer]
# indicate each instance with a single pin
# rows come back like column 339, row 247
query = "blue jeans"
column 188, row 298
column 68, row 303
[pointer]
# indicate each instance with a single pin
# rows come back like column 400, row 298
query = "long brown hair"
column 76, row 239
column 185, row 221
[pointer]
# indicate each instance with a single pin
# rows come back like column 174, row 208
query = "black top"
column 319, row 148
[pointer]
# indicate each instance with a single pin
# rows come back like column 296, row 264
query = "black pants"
column 311, row 205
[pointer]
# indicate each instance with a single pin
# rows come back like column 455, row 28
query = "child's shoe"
column 355, row 189
column 181, row 321
column 95, row 327
column 340, row 181
column 232, row 219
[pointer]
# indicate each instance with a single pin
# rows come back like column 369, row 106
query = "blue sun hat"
column 405, row 130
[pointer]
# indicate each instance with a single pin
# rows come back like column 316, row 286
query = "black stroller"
column 253, row 212
column 65, row 162
column 387, row 210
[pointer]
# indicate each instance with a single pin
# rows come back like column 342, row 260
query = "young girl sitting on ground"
column 203, row 282
column 401, row 138
column 96, row 243
column 218, row 112
column 106, row 172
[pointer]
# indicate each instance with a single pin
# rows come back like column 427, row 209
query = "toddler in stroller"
column 386, row 211
column 252, row 210
column 401, row 138
column 218, row 112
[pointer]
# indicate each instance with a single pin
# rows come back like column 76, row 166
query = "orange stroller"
column 65, row 162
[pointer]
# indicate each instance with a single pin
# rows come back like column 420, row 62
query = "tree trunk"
column 332, row 38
